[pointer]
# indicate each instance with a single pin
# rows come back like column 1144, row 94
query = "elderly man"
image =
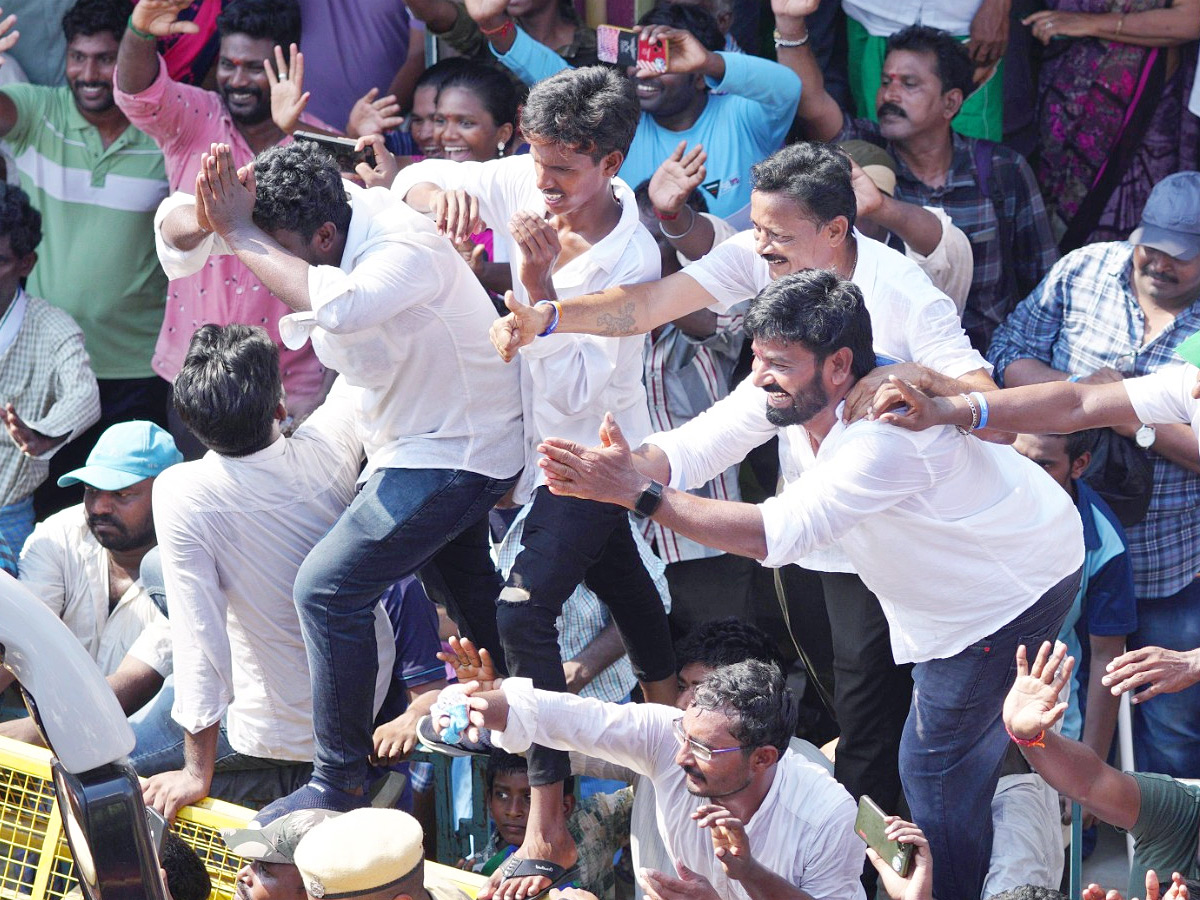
column 989, row 523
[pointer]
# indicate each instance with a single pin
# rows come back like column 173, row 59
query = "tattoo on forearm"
column 618, row 324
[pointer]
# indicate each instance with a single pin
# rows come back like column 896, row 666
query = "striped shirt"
column 1082, row 317
column 96, row 259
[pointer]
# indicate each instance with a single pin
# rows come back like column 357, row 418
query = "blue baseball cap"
column 126, row 453
column 1171, row 218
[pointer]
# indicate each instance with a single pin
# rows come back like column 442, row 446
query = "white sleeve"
column 495, row 184
column 42, row 565
column 182, row 263
column 1164, row 397
column 153, row 646
column 870, row 472
column 936, row 338
column 731, row 271
column 200, row 643
column 718, row 438
column 951, row 265
column 637, row 736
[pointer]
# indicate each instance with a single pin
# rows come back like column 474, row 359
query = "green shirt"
column 1167, row 831
column 97, row 259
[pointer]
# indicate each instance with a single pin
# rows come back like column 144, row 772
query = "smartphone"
column 869, row 826
column 341, row 149
column 158, row 827
column 625, row 47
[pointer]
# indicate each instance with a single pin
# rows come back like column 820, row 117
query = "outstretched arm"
column 137, row 58
column 819, row 112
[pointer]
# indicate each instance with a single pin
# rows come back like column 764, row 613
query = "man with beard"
column 988, row 190
column 1005, row 544
column 185, row 121
column 85, row 562
column 92, row 175
column 1115, row 310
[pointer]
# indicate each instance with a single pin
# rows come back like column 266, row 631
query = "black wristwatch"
column 648, row 500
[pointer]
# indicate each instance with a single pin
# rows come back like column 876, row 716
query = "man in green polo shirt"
column 97, row 182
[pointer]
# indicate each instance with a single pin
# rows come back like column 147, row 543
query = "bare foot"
column 559, row 848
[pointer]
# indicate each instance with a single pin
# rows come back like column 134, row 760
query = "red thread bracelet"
column 663, row 217
column 1038, row 741
column 503, row 30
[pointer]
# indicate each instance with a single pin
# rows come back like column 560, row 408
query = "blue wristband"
column 550, row 329
column 981, row 399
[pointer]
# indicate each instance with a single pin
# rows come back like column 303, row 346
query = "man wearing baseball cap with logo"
column 270, row 871
column 85, row 563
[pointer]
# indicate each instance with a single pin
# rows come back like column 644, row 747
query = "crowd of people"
column 361, row 401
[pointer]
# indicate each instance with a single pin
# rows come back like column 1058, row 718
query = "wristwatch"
column 1144, row 437
column 648, row 500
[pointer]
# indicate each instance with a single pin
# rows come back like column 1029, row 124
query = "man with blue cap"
column 85, row 562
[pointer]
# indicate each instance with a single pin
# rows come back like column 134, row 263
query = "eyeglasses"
column 698, row 750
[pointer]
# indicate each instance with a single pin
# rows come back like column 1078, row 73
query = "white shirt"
column 233, row 532
column 568, row 380
column 883, row 19
column 405, row 322
column 955, row 536
column 1165, row 397
column 66, row 568
column 803, row 830
column 911, row 321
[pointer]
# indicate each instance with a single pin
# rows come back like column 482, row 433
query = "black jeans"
column 871, row 694
column 568, row 541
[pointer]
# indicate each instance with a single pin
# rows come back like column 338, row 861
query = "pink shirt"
column 184, row 120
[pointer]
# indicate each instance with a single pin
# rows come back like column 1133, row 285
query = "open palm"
column 1032, row 705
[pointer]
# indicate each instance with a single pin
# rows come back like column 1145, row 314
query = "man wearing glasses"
column 1106, row 312
column 742, row 815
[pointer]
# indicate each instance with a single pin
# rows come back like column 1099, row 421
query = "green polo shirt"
column 1166, row 832
column 97, row 259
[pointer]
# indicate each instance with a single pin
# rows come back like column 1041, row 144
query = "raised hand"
column 524, row 322
column 372, row 114
column 288, row 97
column 8, row 37
column 470, row 664
column 680, row 174
column 867, row 195
column 793, row 9
column 456, row 215
column 685, row 54
column 487, row 13
column 228, row 192
column 1032, row 704
column 161, row 18
column 537, row 239
column 386, row 164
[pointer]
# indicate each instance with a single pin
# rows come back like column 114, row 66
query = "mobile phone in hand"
column 870, row 826
column 626, row 48
column 341, row 149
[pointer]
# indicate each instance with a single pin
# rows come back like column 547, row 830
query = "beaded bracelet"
column 781, row 41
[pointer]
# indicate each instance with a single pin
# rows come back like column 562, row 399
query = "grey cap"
column 276, row 841
column 1171, row 219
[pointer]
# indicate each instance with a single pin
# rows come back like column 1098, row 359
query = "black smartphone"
column 870, row 826
column 341, row 149
column 158, row 827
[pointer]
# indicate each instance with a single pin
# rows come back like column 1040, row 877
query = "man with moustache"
column 987, row 190
column 85, row 563
column 185, row 121
column 1107, row 311
column 92, row 175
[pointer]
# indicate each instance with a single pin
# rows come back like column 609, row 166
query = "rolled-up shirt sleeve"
column 153, row 646
column 182, row 263
column 718, row 438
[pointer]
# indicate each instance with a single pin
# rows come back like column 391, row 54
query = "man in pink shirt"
column 185, row 121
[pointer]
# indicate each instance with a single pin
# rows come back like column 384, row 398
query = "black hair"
column 19, row 221
column 89, row 17
column 952, row 61
column 501, row 763
column 276, row 20
column 591, row 110
column 187, row 879
column 299, row 188
column 436, row 74
column 688, row 17
column 818, row 310
column 1080, row 442
column 229, row 387
column 494, row 89
column 756, row 695
column 815, row 176
column 721, row 642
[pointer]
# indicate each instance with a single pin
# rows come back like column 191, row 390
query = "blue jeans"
column 1166, row 729
column 401, row 521
column 248, row 780
column 954, row 741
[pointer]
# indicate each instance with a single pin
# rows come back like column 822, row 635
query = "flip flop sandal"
column 428, row 737
column 560, row 876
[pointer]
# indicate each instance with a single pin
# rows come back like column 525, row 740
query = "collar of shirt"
column 606, row 252
column 1083, row 502
column 14, row 316
column 960, row 175
column 272, row 451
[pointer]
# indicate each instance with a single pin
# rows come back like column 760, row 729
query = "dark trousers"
column 871, row 694
column 121, row 400
column 566, row 542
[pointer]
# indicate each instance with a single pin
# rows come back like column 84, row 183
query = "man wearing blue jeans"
column 969, row 547
column 389, row 304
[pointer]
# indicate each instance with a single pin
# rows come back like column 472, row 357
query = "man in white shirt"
column 803, row 208
column 391, row 306
column 234, row 527
column 577, row 229
column 970, row 548
column 743, row 816
column 85, row 563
